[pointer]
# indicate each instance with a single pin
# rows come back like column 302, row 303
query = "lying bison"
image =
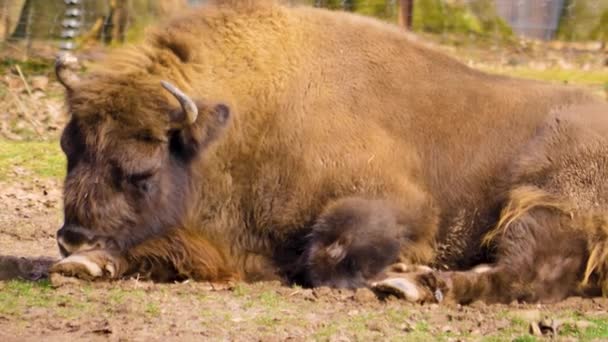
column 256, row 142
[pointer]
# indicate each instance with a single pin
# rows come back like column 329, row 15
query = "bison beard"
column 251, row 141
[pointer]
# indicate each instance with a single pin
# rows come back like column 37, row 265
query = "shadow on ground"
column 24, row 268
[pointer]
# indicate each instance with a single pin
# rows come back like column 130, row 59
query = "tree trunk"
column 128, row 13
column 23, row 27
column 405, row 11
column 9, row 14
column 115, row 24
column 39, row 19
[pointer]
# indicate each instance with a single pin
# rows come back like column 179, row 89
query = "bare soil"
column 132, row 310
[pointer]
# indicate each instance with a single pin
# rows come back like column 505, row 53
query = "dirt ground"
column 31, row 169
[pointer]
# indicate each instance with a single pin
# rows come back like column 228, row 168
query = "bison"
column 249, row 141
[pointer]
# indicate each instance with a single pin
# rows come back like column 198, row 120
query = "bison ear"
column 195, row 125
column 213, row 128
column 193, row 140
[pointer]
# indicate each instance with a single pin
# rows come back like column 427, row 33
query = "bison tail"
column 597, row 264
column 590, row 226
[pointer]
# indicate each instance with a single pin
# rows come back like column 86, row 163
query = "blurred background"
column 116, row 20
column 552, row 40
column 111, row 20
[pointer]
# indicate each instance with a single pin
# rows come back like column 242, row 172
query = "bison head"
column 131, row 147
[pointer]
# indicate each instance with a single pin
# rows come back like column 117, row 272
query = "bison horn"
column 65, row 66
column 187, row 104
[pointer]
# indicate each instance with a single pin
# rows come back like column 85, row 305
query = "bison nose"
column 71, row 238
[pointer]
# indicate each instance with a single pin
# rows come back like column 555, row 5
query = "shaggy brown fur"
column 303, row 109
column 551, row 238
column 354, row 240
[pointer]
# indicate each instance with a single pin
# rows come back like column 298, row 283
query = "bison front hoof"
column 86, row 266
column 422, row 286
column 401, row 288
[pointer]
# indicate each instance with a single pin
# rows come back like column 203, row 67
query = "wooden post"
column 115, row 24
column 405, row 11
column 5, row 20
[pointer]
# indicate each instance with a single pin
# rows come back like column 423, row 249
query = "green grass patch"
column 29, row 66
column 359, row 324
column 41, row 159
column 421, row 326
column 518, row 322
column 269, row 299
column 3, row 91
column 326, row 332
column 153, row 309
column 240, row 290
column 117, row 296
column 575, row 76
column 267, row 320
column 396, row 316
column 17, row 296
column 507, row 336
column 597, row 330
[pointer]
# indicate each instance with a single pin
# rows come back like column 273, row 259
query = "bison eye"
column 141, row 181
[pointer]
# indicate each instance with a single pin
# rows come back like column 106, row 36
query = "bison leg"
column 355, row 239
column 542, row 255
column 177, row 255
column 91, row 265
column 181, row 254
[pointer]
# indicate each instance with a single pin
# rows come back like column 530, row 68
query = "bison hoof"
column 401, row 288
column 419, row 284
column 86, row 266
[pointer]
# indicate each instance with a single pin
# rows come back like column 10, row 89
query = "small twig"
column 27, row 86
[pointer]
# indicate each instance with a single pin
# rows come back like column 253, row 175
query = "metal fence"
column 535, row 19
column 46, row 19
column 65, row 20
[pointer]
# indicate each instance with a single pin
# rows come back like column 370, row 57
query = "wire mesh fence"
column 66, row 21
column 538, row 19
